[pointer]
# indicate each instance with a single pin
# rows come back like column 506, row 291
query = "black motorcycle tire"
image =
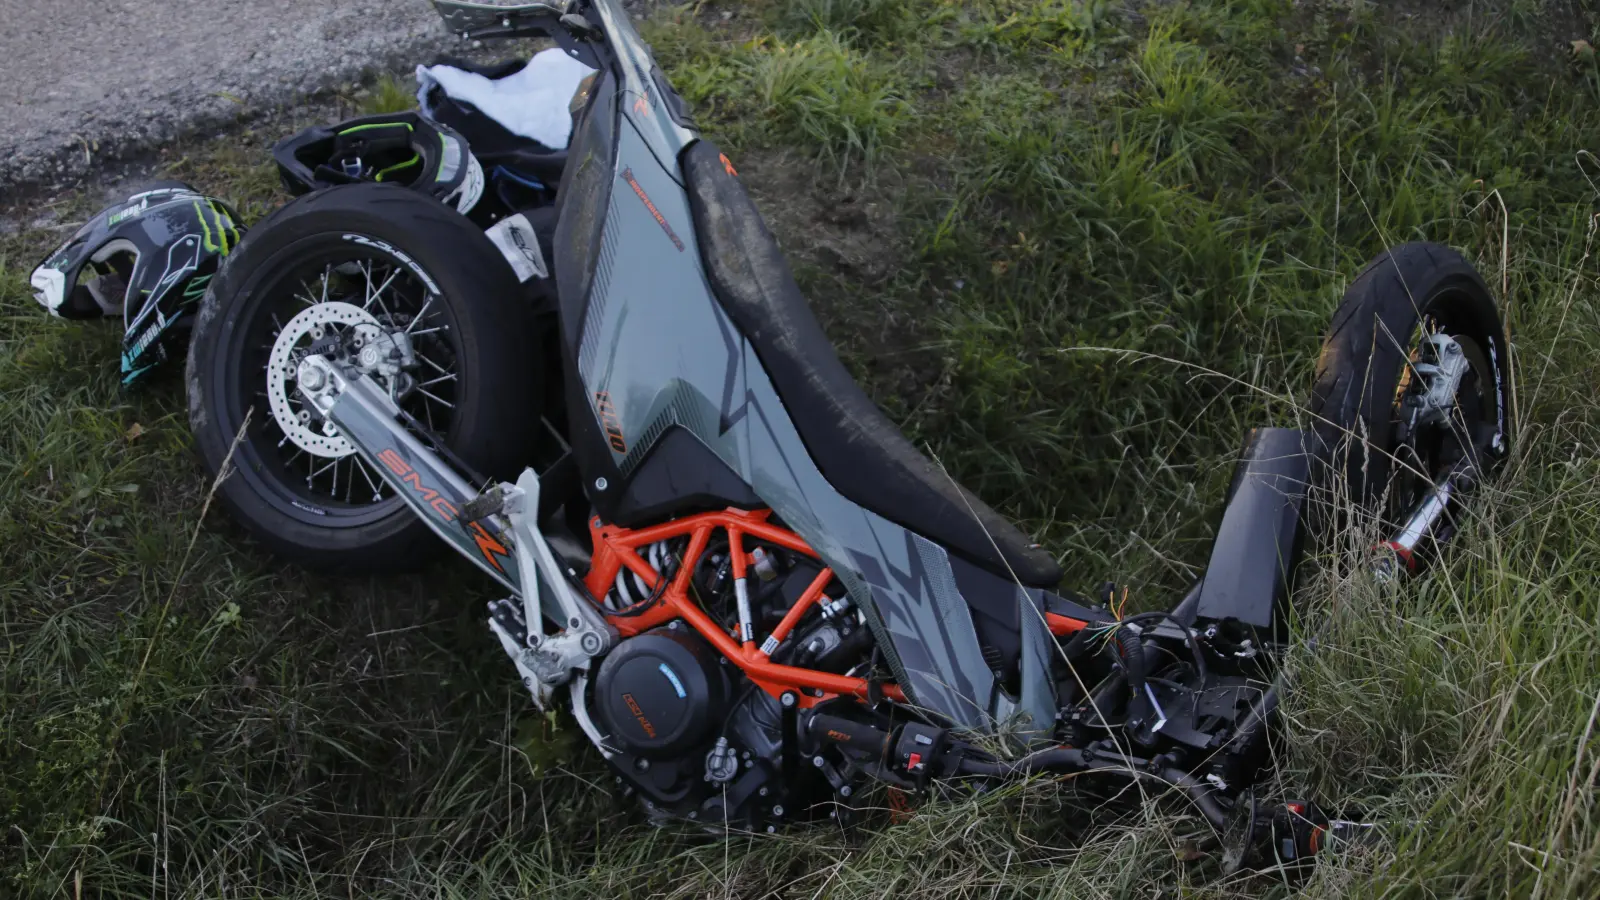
column 1362, row 364
column 493, row 428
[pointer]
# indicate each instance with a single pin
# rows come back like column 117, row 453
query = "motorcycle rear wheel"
column 1371, row 452
column 405, row 260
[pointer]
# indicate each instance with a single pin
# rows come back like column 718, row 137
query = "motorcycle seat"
column 857, row 448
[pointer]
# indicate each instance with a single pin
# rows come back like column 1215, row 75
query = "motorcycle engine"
column 687, row 731
column 676, row 734
column 659, row 694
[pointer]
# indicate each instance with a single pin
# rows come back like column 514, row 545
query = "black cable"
column 1190, row 638
column 1067, row 759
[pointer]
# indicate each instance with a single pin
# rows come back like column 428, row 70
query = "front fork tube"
column 1430, row 525
column 500, row 536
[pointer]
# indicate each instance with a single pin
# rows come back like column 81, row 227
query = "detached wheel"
column 336, row 269
column 1411, row 381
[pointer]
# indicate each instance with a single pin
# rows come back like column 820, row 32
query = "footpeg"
column 490, row 502
column 544, row 662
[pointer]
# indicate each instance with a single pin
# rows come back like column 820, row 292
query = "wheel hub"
column 317, row 329
column 1440, row 373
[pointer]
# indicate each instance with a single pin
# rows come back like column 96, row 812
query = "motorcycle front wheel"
column 334, row 268
column 1412, row 381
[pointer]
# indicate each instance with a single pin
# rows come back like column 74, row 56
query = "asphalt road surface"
column 88, row 80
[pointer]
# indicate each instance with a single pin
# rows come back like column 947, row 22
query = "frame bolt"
column 788, row 698
column 600, row 484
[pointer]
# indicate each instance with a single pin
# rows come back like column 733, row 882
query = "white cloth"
column 531, row 103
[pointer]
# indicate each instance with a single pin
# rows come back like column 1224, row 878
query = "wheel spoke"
column 317, row 472
column 445, row 403
column 378, row 294
column 341, row 479
column 361, row 466
column 442, row 370
column 421, row 313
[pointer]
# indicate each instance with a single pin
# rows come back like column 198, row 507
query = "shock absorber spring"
column 630, row 589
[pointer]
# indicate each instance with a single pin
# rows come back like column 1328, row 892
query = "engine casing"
column 660, row 695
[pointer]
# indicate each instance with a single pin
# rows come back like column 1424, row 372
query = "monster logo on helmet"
column 146, row 258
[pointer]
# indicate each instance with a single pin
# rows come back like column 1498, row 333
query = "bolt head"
column 788, row 698
column 763, row 791
column 846, row 791
column 601, row 484
column 817, row 761
column 777, row 810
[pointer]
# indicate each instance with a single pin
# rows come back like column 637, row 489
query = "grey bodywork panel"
column 657, row 346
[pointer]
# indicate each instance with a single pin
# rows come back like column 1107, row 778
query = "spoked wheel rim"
column 1424, row 444
column 335, row 290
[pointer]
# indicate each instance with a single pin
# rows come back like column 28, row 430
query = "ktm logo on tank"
column 610, row 421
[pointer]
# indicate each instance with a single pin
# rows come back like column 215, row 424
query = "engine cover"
column 660, row 694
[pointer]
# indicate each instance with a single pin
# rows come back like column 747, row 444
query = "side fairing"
column 655, row 350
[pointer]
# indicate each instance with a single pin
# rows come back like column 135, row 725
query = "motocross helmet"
column 147, row 258
column 399, row 148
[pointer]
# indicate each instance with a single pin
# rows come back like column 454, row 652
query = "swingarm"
column 497, row 529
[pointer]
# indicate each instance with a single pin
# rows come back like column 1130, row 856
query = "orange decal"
column 627, row 175
column 610, row 421
column 728, row 164
column 642, row 106
column 633, row 707
column 397, row 464
column 489, row 546
column 394, row 463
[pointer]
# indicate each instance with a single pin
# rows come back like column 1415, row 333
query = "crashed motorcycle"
column 753, row 594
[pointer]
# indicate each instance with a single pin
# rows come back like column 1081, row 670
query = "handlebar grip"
column 850, row 734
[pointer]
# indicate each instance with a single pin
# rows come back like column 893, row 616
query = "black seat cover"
column 861, row 453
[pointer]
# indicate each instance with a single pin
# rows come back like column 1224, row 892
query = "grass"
column 1075, row 249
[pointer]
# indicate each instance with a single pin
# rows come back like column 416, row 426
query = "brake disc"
column 311, row 433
